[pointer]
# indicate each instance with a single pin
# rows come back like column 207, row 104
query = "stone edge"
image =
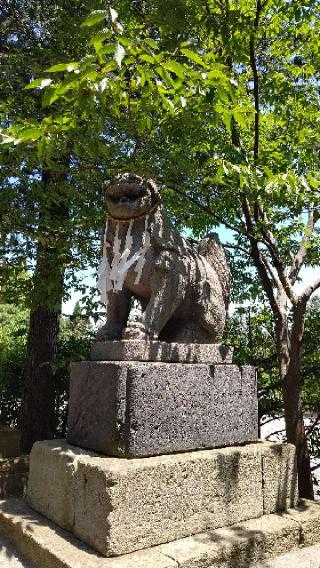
column 161, row 352
column 45, row 544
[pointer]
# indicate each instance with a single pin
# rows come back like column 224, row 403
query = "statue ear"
column 104, row 188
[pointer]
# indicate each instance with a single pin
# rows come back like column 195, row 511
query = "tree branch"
column 313, row 426
column 253, row 64
column 239, row 248
column 271, row 270
column 298, row 259
column 205, row 208
column 258, row 260
column 304, row 297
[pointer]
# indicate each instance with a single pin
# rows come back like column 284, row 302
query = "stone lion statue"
column 183, row 288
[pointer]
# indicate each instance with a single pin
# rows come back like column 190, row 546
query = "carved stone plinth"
column 119, row 505
column 133, row 409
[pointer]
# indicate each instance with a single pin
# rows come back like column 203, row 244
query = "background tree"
column 45, row 205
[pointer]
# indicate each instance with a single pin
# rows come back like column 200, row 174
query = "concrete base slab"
column 139, row 409
column 240, row 546
column 135, row 350
column 119, row 505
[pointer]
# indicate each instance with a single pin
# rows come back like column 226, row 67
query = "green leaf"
column 223, row 95
column 63, row 67
column 240, row 118
column 193, row 56
column 146, row 57
column 175, row 67
column 95, row 17
column 98, row 39
column 152, row 43
column 49, row 97
column 41, row 144
column 30, row 134
column 39, row 83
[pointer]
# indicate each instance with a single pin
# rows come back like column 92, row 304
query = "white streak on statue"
column 112, row 278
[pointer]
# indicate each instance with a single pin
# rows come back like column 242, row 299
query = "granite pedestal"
column 135, row 409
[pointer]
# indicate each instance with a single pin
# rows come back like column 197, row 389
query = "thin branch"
column 256, row 95
column 239, row 248
column 258, row 260
column 313, row 426
column 279, row 417
column 271, row 244
column 271, row 270
column 206, row 209
column 298, row 259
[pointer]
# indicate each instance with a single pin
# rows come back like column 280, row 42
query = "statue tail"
column 211, row 248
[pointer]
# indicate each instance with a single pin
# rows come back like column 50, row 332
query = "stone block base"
column 120, row 505
column 241, row 546
column 135, row 409
column 13, row 477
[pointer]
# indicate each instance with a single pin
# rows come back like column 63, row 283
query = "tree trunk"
column 38, row 408
column 290, row 371
column 39, row 393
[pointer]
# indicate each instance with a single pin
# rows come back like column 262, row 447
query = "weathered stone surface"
column 9, row 442
column 120, row 505
column 241, row 546
column 279, row 476
column 48, row 546
column 52, row 480
column 238, row 546
column 160, row 351
column 139, row 409
column 307, row 515
column 183, row 288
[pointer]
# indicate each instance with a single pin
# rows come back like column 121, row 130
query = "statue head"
column 128, row 196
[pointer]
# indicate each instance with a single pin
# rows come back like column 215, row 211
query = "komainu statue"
column 183, row 289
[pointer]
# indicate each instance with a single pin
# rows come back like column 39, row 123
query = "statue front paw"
column 137, row 331
column 109, row 332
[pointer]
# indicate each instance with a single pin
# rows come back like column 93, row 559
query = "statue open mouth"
column 125, row 194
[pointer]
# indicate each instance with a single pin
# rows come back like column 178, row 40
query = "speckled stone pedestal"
column 135, row 409
column 118, row 505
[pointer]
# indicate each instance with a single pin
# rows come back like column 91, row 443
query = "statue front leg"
column 118, row 310
column 168, row 288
